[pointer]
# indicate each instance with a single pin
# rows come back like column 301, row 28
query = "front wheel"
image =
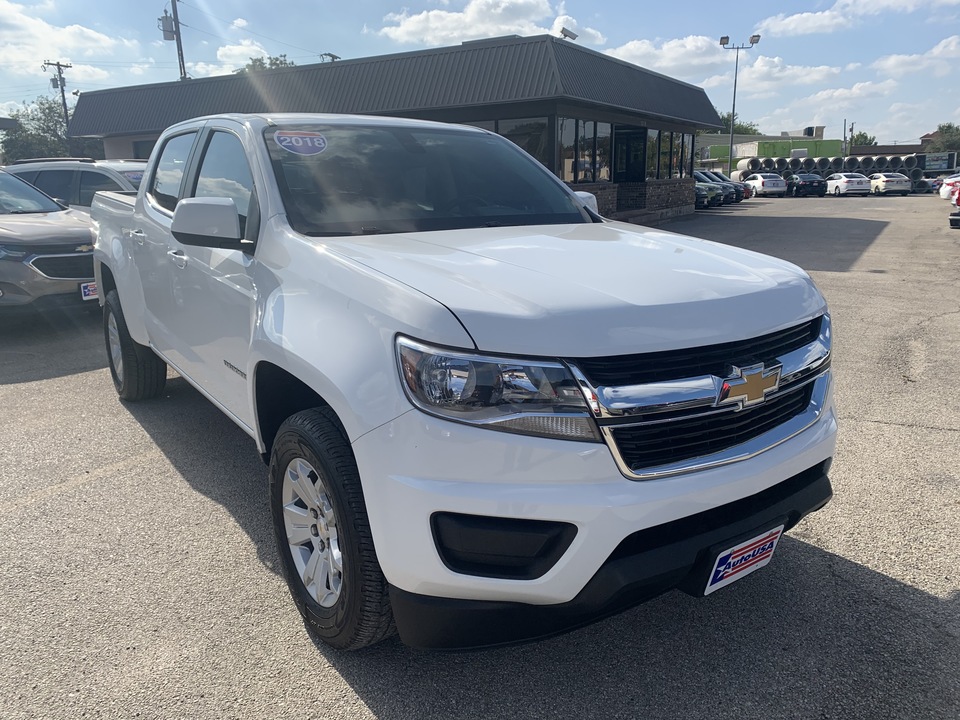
column 323, row 533
column 137, row 372
column 836, row 191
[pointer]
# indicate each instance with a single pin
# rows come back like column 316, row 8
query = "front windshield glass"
column 133, row 176
column 370, row 179
column 18, row 197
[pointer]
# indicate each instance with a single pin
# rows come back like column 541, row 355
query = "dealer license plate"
column 741, row 560
column 88, row 291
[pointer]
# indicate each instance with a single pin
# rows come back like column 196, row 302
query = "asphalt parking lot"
column 140, row 579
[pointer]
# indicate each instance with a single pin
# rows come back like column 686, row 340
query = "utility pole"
column 59, row 82
column 171, row 31
column 851, row 137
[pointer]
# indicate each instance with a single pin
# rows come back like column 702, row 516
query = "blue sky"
column 890, row 66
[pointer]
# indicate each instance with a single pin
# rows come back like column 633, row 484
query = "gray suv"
column 73, row 181
column 46, row 250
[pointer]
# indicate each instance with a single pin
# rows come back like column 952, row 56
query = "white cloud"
column 480, row 19
column 25, row 40
column 941, row 59
column 239, row 23
column 843, row 14
column 851, row 97
column 685, row 58
column 769, row 75
column 230, row 57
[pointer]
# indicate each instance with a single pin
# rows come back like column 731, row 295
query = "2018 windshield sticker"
column 300, row 142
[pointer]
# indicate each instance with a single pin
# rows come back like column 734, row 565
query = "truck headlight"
column 526, row 396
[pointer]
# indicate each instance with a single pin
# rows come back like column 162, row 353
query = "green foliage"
column 271, row 62
column 946, row 139
column 41, row 132
column 861, row 138
column 739, row 127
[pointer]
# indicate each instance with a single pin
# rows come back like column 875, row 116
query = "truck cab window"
column 165, row 186
column 224, row 172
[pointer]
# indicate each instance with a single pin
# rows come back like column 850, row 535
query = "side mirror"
column 208, row 222
column 589, row 199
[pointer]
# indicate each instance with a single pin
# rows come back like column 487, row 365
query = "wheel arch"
column 277, row 395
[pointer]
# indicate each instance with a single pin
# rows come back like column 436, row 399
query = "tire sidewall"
column 336, row 624
column 111, row 306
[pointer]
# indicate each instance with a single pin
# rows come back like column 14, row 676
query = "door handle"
column 137, row 235
column 178, row 258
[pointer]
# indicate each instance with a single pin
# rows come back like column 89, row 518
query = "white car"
column 73, row 181
column 948, row 188
column 848, row 184
column 767, row 184
column 884, row 183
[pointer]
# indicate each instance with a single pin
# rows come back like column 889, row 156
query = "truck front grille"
column 64, row 267
column 690, row 362
column 652, row 445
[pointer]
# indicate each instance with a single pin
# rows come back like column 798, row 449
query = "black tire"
column 137, row 372
column 360, row 615
column 836, row 192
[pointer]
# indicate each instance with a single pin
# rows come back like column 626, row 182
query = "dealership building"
column 617, row 130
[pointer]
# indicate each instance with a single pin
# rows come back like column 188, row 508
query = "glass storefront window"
column 604, row 132
column 528, row 133
column 666, row 153
column 567, row 137
column 653, row 153
column 688, row 155
column 586, row 166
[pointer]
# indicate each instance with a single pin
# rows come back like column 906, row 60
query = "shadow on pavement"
column 826, row 244
column 811, row 636
column 32, row 343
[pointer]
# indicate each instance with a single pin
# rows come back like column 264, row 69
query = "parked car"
column 767, row 184
column 73, row 181
column 708, row 195
column 948, row 186
column 805, row 184
column 848, row 183
column 743, row 186
column 729, row 191
column 46, row 250
column 726, row 184
column 885, row 183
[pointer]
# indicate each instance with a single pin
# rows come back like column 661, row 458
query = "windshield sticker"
column 300, row 142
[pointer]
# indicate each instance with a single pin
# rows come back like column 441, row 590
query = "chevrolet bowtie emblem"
column 84, row 248
column 749, row 386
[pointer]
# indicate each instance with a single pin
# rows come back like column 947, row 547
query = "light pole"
column 725, row 42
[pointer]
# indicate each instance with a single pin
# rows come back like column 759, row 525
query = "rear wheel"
column 323, row 533
column 836, row 191
column 137, row 372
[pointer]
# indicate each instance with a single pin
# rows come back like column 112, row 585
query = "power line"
column 249, row 32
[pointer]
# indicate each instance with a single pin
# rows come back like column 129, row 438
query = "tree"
column 41, row 132
column 271, row 62
column 861, row 138
column 739, row 128
column 947, row 138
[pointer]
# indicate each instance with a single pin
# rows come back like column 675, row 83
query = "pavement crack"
column 906, row 425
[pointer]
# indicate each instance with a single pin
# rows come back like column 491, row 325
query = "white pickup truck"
column 489, row 414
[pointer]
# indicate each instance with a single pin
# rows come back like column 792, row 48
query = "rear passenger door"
column 90, row 182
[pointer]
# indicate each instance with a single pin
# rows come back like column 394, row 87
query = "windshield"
column 357, row 179
column 133, row 176
column 18, row 197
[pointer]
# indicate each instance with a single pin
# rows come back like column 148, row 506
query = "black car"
column 805, row 184
column 730, row 194
column 722, row 180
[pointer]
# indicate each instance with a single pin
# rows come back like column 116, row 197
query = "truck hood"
column 593, row 289
column 66, row 226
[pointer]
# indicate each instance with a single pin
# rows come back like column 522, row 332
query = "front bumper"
column 677, row 554
column 22, row 283
column 418, row 466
